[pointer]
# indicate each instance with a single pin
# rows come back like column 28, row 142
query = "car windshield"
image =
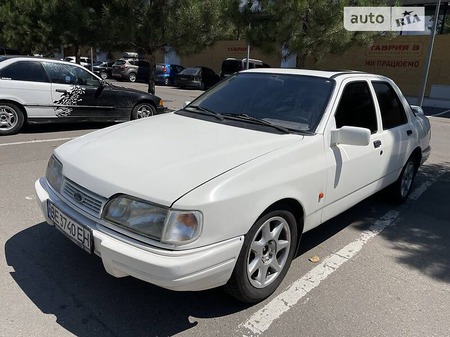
column 190, row 71
column 120, row 62
column 295, row 102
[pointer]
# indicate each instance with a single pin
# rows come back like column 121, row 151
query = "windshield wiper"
column 256, row 120
column 204, row 111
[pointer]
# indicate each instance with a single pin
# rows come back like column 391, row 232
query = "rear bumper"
column 187, row 270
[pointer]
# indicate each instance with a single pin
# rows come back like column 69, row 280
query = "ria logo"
column 409, row 18
column 384, row 18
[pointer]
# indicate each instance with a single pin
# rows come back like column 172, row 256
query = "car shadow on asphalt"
column 419, row 239
column 64, row 281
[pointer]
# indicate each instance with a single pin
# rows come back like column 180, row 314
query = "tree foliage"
column 305, row 28
column 186, row 26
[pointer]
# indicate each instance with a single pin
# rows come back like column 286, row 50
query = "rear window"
column 231, row 66
column 190, row 71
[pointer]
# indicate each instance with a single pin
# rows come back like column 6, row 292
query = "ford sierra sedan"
column 229, row 183
column 34, row 90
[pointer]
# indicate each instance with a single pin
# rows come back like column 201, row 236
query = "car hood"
column 161, row 158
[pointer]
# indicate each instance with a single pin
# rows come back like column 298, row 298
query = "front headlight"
column 54, row 173
column 169, row 226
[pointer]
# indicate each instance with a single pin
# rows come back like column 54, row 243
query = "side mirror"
column 350, row 135
column 417, row 110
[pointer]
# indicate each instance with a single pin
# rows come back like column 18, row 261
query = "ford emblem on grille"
column 78, row 197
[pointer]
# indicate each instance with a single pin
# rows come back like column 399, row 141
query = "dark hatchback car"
column 197, row 77
column 166, row 73
column 102, row 69
column 131, row 69
column 38, row 90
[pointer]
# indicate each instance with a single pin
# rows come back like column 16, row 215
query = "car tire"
column 132, row 77
column 103, row 75
column 399, row 191
column 143, row 110
column 265, row 257
column 11, row 118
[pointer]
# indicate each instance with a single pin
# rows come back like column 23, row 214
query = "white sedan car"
column 220, row 192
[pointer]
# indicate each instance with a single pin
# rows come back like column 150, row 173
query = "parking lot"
column 379, row 269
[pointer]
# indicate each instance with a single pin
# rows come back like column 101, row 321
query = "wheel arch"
column 142, row 101
column 19, row 105
column 416, row 155
column 297, row 210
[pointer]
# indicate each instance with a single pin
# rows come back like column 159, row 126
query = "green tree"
column 185, row 26
column 23, row 26
column 41, row 26
column 306, row 28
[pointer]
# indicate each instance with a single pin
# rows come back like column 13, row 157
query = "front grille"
column 83, row 198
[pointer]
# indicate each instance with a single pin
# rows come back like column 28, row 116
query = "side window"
column 83, row 77
column 392, row 112
column 356, row 107
column 25, row 71
column 69, row 74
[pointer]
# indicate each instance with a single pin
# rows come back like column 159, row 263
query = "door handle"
column 409, row 132
column 377, row 143
column 61, row 90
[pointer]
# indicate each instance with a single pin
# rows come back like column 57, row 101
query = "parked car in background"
column 84, row 61
column 38, row 90
column 103, row 69
column 220, row 192
column 131, row 69
column 9, row 51
column 232, row 65
column 166, row 73
column 197, row 77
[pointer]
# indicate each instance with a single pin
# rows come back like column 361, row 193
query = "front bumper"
column 185, row 270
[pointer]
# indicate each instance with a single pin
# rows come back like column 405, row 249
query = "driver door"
column 76, row 93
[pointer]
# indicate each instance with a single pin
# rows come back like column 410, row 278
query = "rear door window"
column 391, row 108
column 25, row 71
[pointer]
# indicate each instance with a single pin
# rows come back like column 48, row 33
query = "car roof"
column 6, row 60
column 308, row 72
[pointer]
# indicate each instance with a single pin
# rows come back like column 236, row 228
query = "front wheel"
column 11, row 119
column 143, row 110
column 265, row 257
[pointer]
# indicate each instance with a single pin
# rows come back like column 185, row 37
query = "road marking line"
column 418, row 191
column 263, row 318
column 441, row 113
column 38, row 141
